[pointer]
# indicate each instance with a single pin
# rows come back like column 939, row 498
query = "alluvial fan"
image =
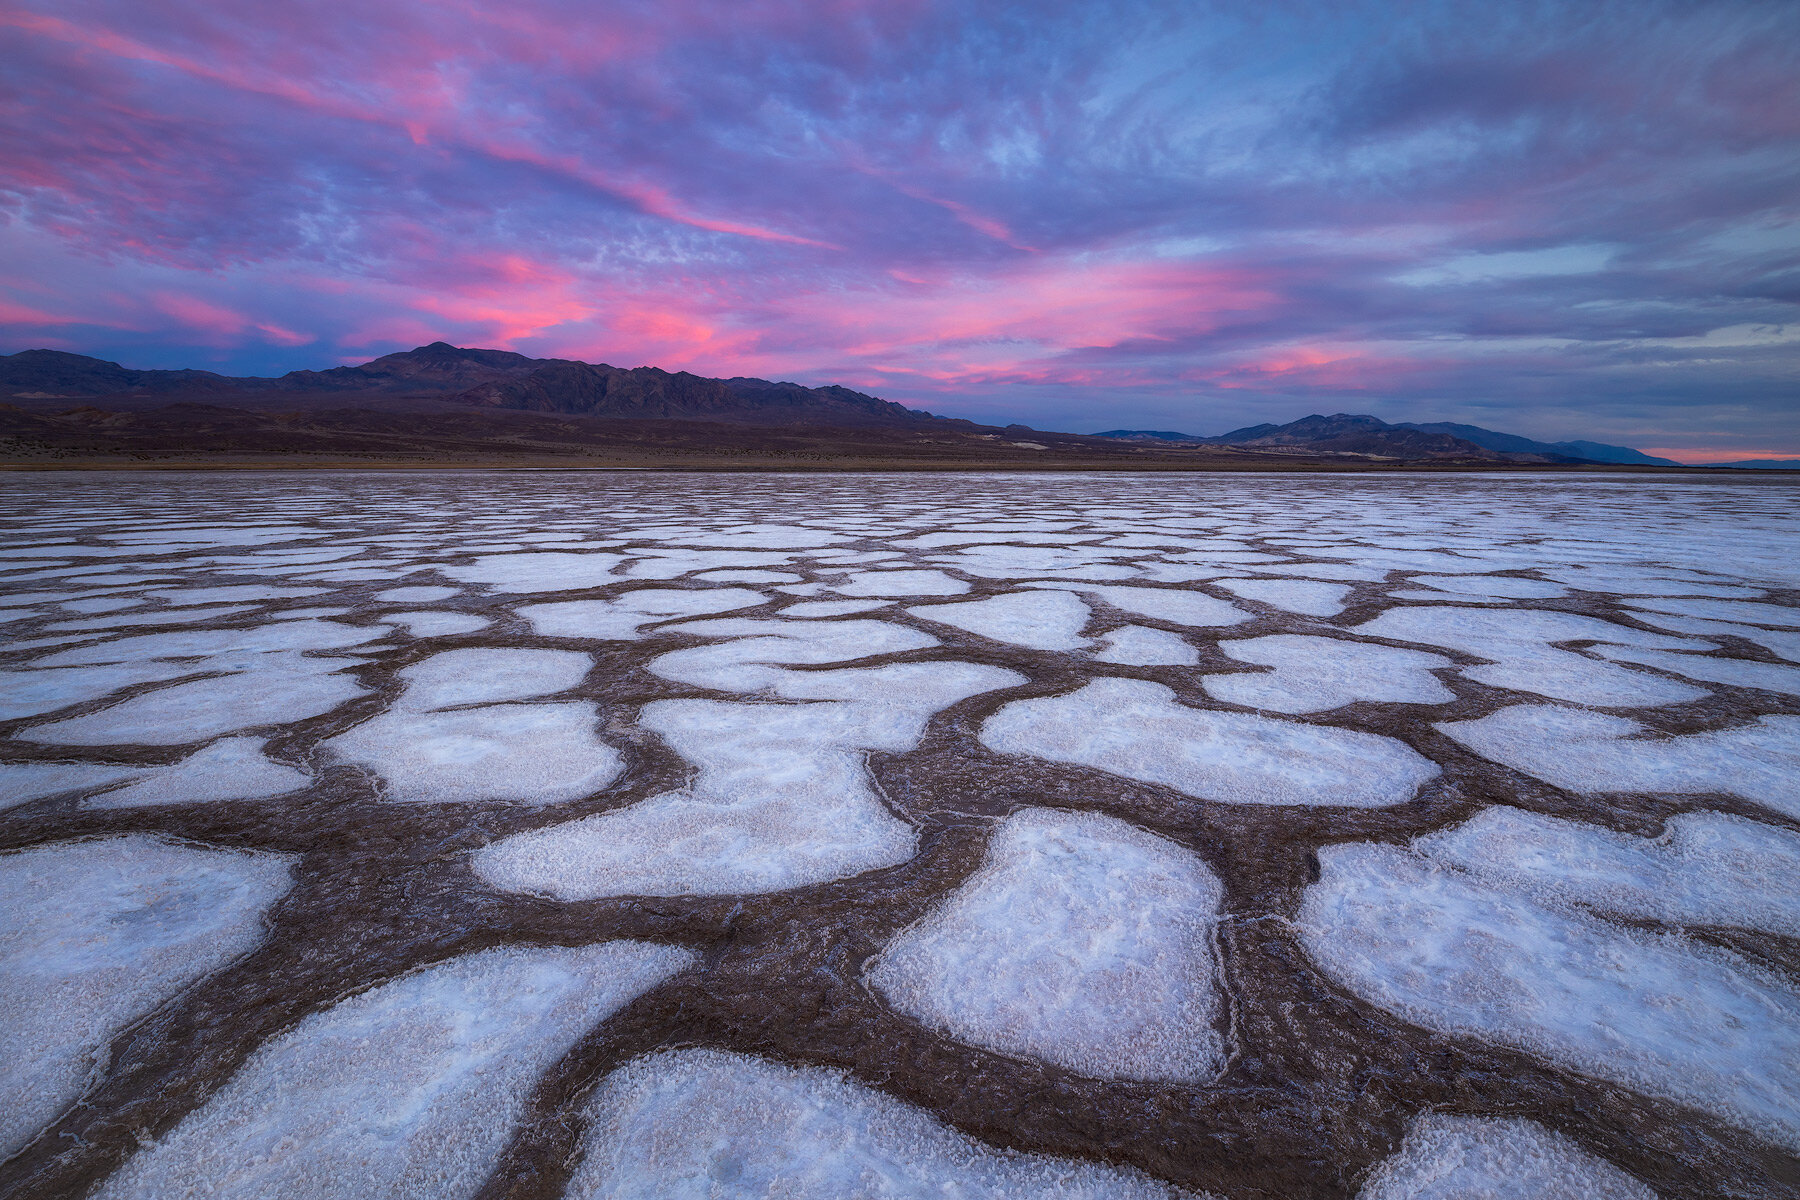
column 539, row 835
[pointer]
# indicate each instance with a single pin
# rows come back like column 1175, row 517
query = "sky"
column 1566, row 220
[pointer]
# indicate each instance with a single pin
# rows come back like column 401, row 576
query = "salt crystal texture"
column 1177, row 606
column 1706, row 868
column 782, row 799
column 1486, row 1158
column 1313, row 674
column 22, row 782
column 1036, row 620
column 1136, row 729
column 1304, row 596
column 1082, row 941
column 902, row 583
column 410, row 1089
column 1137, row 646
column 622, row 618
column 548, row 571
column 704, row 1123
column 230, row 769
column 1517, row 643
column 1656, row 1013
column 1593, row 752
column 94, row 935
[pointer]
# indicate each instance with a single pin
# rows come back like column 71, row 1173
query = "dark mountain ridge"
column 452, row 374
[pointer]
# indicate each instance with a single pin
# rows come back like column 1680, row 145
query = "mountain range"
column 441, row 403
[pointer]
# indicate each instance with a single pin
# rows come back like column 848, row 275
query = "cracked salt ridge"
column 1304, row 596
column 1487, row 1158
column 1314, row 674
column 1082, row 941
column 621, row 619
column 783, row 797
column 1138, row 646
column 1706, row 869
column 1176, row 606
column 548, row 571
column 276, row 690
column 1517, row 644
column 902, row 584
column 1465, row 954
column 1136, row 729
column 706, row 1123
column 1593, row 752
column 94, row 935
column 500, row 750
column 410, row 1089
column 1037, row 620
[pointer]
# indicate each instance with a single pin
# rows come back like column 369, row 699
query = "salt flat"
column 1067, row 835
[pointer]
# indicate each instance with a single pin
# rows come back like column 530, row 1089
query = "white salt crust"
column 489, row 675
column 1736, row 672
column 198, row 643
column 1176, row 606
column 622, row 619
column 411, row 1089
column 436, row 624
column 1026, row 562
column 782, row 798
column 94, row 935
column 1509, row 587
column 1487, row 1158
column 1305, row 596
column 180, row 616
column 545, row 571
column 751, row 660
column 21, row 783
column 29, row 692
column 1463, row 955
column 1593, row 752
column 1706, row 868
column 1517, row 642
column 902, row 583
column 1082, row 941
column 235, row 594
column 710, row 1125
column 1136, row 729
column 1036, row 620
column 1313, row 674
column 416, row 595
column 672, row 564
column 1744, row 612
column 1137, row 646
column 832, row 608
column 229, row 769
column 1783, row 643
column 281, row 689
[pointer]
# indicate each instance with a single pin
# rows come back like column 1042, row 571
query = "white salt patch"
column 512, row 753
column 768, row 537
column 1136, row 729
column 285, row 635
column 1508, row 586
column 1592, row 752
column 362, row 575
column 1737, row 672
column 1082, row 941
column 903, row 583
column 938, row 541
column 436, row 624
column 1313, row 674
column 1439, row 597
column 621, row 619
column 281, row 690
column 21, row 782
column 1179, row 572
column 1517, row 643
column 101, row 604
column 1783, row 643
column 782, row 798
column 748, row 577
column 710, row 1123
column 1176, row 606
column 26, row 693
column 488, row 676
column 1486, row 1158
column 1308, row 597
column 182, row 616
column 1136, row 646
column 416, row 595
column 230, row 769
column 1655, row 1013
column 1023, row 562
column 411, row 1089
column 235, row 595
column 95, row 934
column 548, row 571
column 1338, row 571
column 672, row 564
column 1741, row 611
column 749, row 663
column 1706, row 868
column 832, row 608
column 1037, row 620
